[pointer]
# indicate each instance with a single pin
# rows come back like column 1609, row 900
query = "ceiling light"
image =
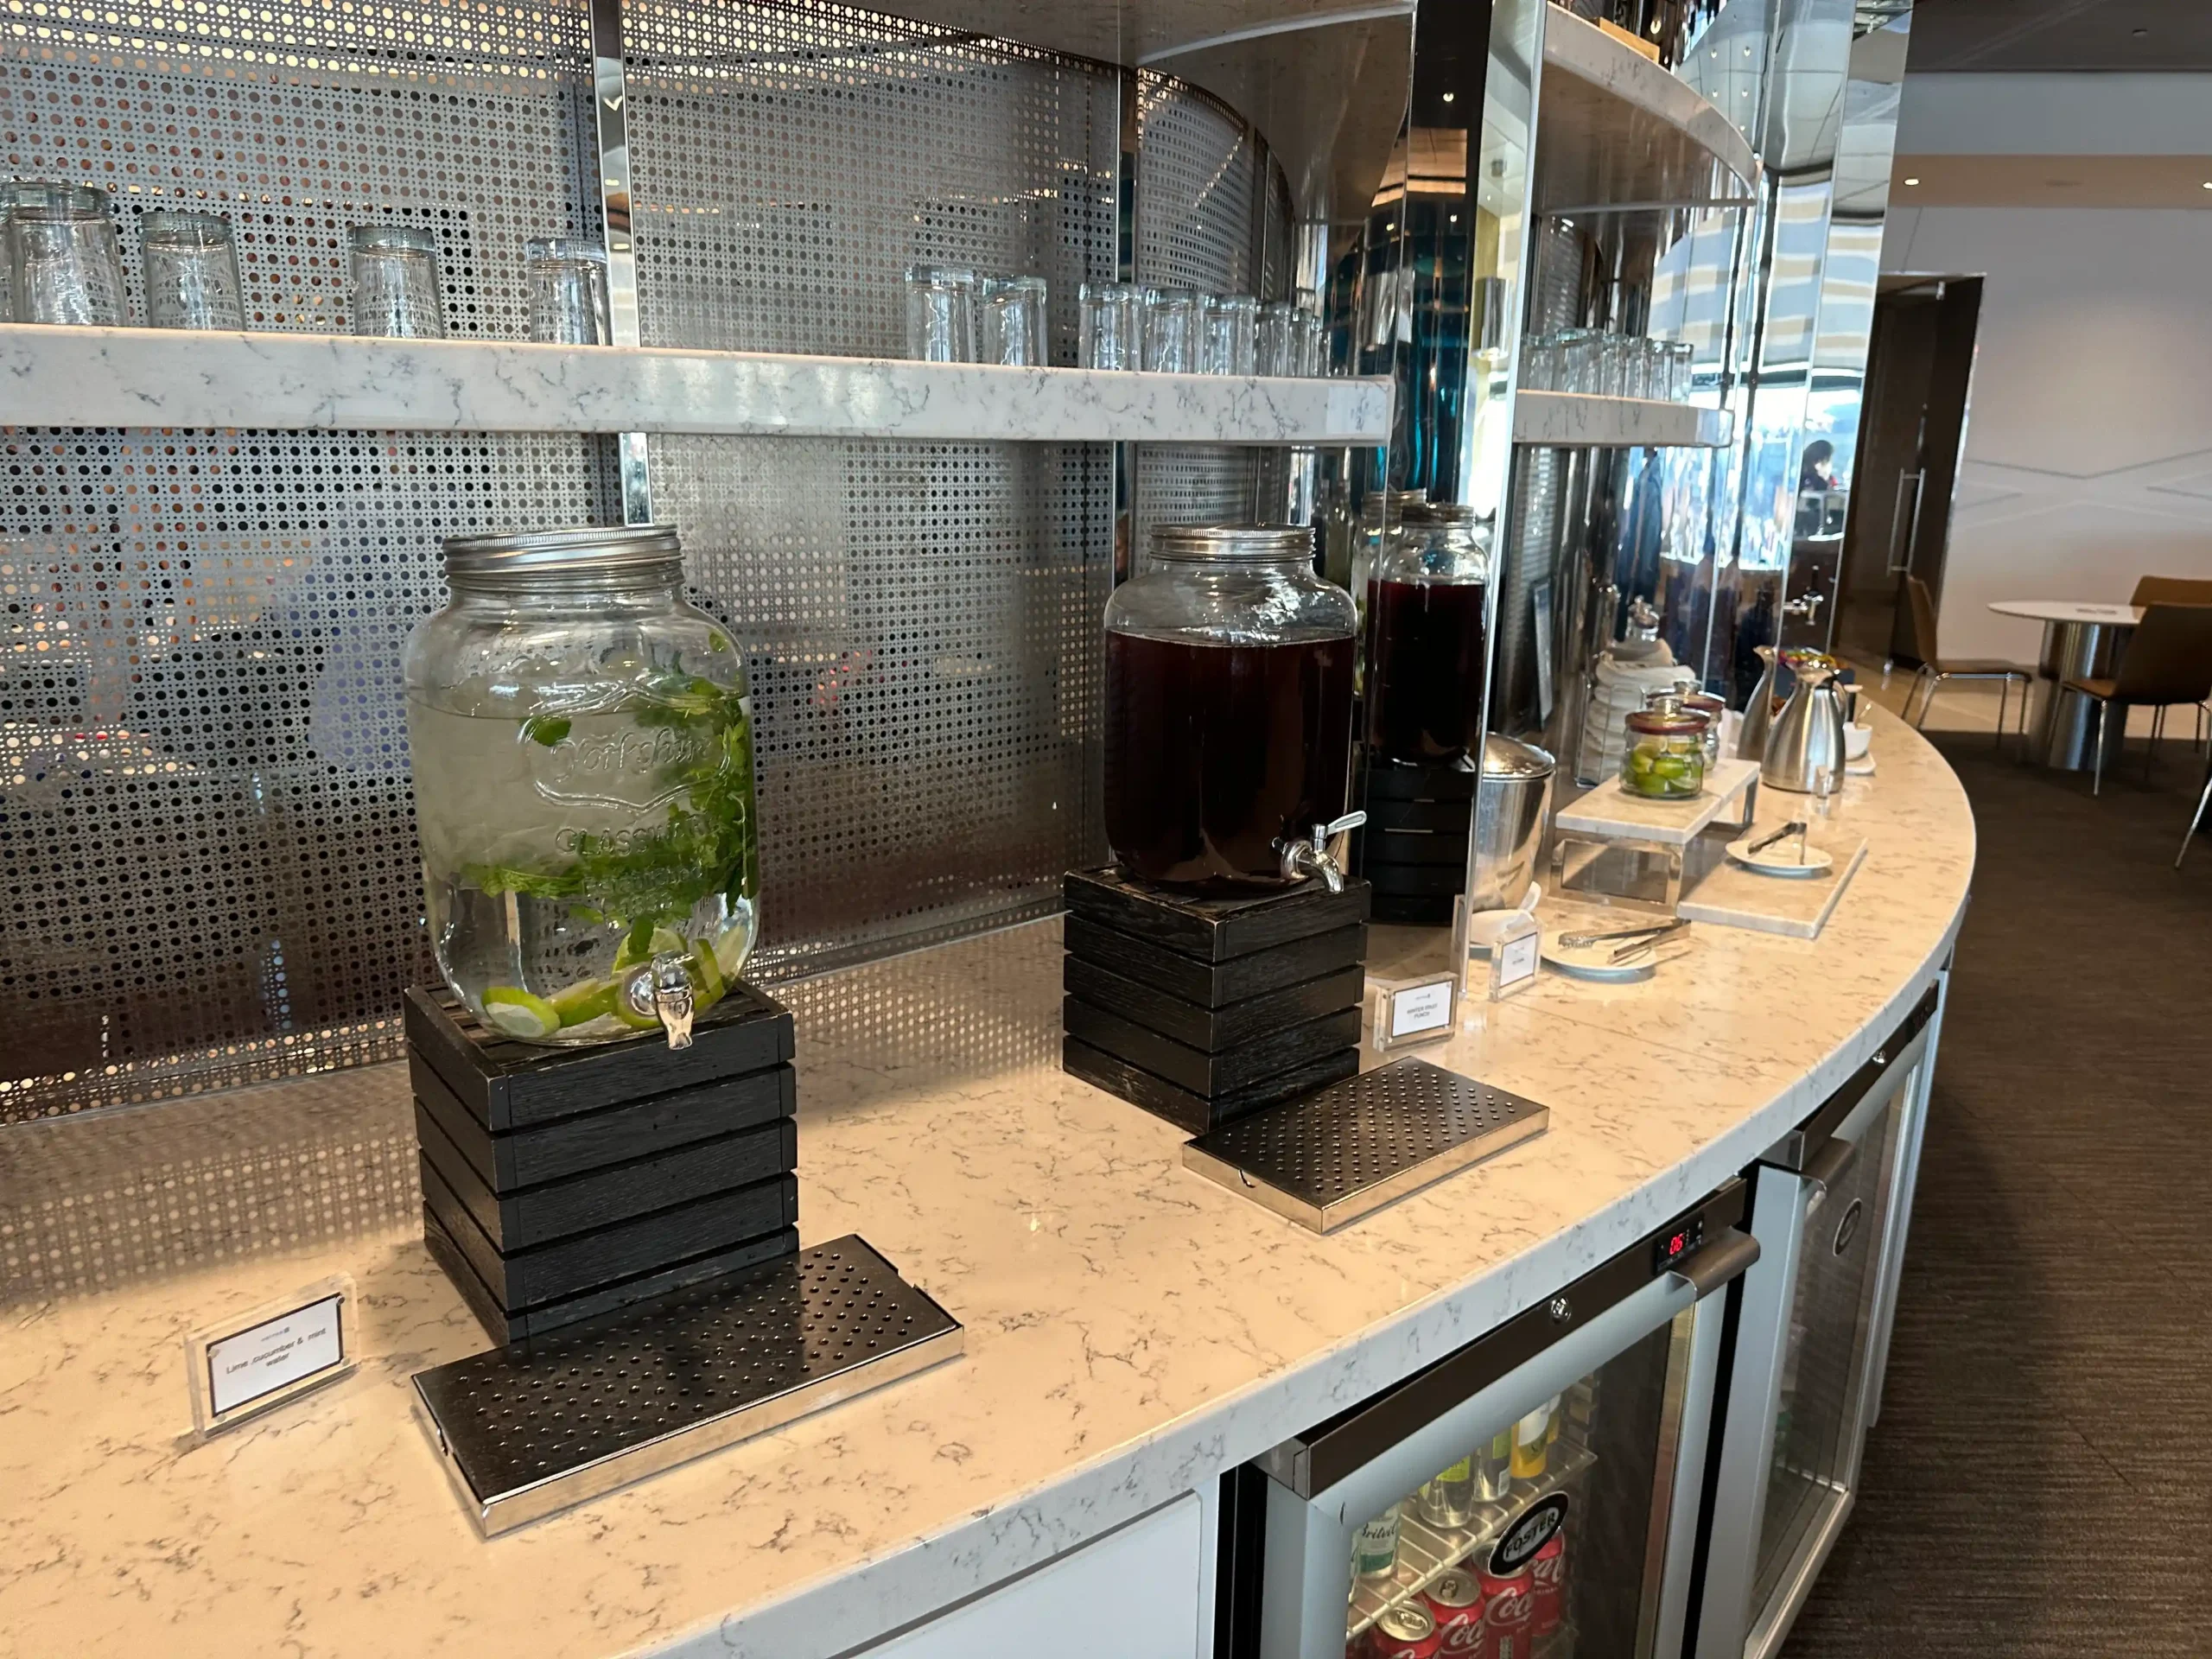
column 2208, row 186
column 1449, row 97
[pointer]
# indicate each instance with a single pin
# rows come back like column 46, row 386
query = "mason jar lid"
column 1649, row 722
column 1443, row 513
column 1232, row 542
column 587, row 549
column 1509, row 757
column 1394, row 505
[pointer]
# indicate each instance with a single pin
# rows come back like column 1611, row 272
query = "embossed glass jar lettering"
column 582, row 749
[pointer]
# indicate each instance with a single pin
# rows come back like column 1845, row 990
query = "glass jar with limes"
column 581, row 741
column 1664, row 759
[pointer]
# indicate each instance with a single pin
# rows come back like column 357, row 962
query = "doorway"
column 1912, row 429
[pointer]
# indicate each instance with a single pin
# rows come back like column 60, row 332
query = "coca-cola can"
column 1455, row 1602
column 1548, row 1575
column 1508, row 1608
column 1403, row 1631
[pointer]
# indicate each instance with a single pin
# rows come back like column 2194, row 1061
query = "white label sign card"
column 1418, row 1012
column 269, row 1354
column 1513, row 958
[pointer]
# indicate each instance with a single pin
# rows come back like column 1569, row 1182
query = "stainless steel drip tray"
column 1332, row 1156
column 527, row 1431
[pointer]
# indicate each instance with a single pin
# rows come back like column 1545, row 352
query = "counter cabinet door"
column 1136, row 1593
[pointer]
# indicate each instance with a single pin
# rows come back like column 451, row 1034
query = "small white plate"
column 1862, row 767
column 1781, row 859
column 1590, row 960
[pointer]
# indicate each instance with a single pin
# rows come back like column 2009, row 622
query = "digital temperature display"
column 1679, row 1242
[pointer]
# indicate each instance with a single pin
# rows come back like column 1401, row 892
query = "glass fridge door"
column 1535, row 1493
column 1548, row 1538
column 1817, row 1418
column 1830, row 1211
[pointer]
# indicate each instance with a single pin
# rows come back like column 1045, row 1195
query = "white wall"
column 2055, row 115
column 2088, row 454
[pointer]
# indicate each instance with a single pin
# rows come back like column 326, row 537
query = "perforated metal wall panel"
column 922, row 620
column 204, row 810
column 1200, row 188
column 207, row 831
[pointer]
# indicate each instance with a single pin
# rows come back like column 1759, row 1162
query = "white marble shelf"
column 1610, row 813
column 1574, row 420
column 1614, row 129
column 1797, row 907
column 160, row 378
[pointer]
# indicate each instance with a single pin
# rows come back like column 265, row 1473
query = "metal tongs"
column 1645, row 936
column 1795, row 827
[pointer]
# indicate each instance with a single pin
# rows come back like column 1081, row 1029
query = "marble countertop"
column 1132, row 1329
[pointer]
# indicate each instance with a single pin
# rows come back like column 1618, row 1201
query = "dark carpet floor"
column 2040, row 1482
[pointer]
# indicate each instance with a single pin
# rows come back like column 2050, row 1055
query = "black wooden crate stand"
column 1201, row 1010
column 1413, row 848
column 560, row 1184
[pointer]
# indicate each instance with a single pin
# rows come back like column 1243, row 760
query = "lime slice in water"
column 583, row 1002
column 520, row 1013
column 707, row 984
column 664, row 939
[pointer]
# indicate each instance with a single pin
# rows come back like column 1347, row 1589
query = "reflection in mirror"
column 1439, row 280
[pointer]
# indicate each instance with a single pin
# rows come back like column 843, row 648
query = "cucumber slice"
column 521, row 1013
column 581, row 1003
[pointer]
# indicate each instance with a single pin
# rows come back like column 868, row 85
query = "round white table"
column 2081, row 641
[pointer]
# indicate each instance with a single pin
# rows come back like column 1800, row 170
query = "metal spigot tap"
column 1312, row 856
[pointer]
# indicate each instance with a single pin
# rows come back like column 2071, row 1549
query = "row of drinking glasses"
column 1181, row 331
column 1609, row 366
column 954, row 316
column 64, row 261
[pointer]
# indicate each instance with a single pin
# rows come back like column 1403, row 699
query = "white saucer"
column 1862, row 767
column 1589, row 961
column 1483, row 927
column 1781, row 859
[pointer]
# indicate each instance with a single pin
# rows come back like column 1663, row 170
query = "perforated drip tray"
column 525, row 1432
column 1334, row 1155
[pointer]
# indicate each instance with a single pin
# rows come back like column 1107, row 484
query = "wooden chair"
column 1935, row 669
column 2170, row 590
column 2168, row 660
column 2177, row 590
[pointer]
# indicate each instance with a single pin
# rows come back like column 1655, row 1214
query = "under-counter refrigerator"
column 1535, row 1495
column 1829, row 1204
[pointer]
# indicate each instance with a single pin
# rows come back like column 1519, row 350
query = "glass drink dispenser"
column 1229, row 670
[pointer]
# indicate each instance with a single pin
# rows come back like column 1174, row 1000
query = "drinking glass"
column 396, row 283
column 1112, row 329
column 1227, row 340
column 1312, row 343
column 1277, row 349
column 1581, row 360
column 1171, row 330
column 191, row 262
column 941, row 314
column 567, row 291
column 1617, row 370
column 1539, row 363
column 1013, row 321
column 64, row 254
column 1681, row 370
